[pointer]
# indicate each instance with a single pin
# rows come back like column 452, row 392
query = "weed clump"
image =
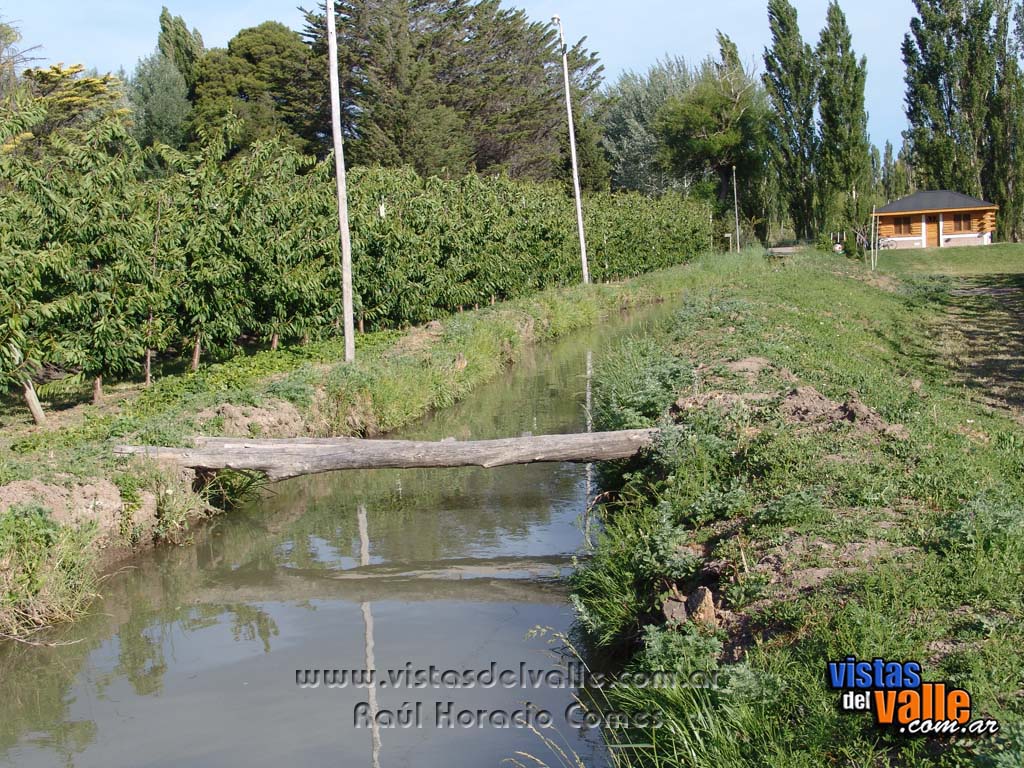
column 46, row 572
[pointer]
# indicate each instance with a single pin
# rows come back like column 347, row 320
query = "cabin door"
column 932, row 230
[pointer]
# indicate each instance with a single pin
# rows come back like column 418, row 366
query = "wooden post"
column 340, row 182
column 197, row 350
column 33, row 403
column 97, row 390
column 736, row 207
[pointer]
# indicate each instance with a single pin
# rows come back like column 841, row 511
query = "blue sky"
column 108, row 34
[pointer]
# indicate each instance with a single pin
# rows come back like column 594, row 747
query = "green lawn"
column 1002, row 258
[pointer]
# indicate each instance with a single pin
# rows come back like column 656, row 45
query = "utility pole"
column 339, row 174
column 736, row 207
column 572, row 150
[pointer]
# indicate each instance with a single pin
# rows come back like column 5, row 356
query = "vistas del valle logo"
column 894, row 692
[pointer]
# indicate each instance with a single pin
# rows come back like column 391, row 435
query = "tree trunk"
column 149, row 322
column 97, row 390
column 281, row 459
column 362, row 326
column 275, row 339
column 33, row 403
column 197, row 350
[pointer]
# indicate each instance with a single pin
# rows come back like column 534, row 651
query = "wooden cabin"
column 937, row 219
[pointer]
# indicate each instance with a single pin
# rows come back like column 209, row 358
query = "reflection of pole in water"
column 364, row 559
column 590, row 428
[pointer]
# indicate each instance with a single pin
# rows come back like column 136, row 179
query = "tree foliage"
column 451, row 85
column 159, row 97
column 105, row 264
column 950, row 68
column 791, row 81
column 844, row 167
column 717, row 124
column 184, row 48
column 263, row 77
column 631, row 137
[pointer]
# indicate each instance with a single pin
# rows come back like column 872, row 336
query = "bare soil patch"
column 277, row 419
column 806, row 405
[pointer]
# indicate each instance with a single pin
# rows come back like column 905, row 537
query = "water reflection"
column 191, row 656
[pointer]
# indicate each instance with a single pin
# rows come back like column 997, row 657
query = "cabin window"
column 962, row 222
column 902, row 225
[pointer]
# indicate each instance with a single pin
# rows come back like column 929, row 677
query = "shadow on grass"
column 989, row 313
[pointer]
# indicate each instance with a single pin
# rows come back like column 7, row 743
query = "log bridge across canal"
column 281, row 459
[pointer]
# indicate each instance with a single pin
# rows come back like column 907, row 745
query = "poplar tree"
column 1004, row 175
column 950, row 62
column 791, row 81
column 844, row 161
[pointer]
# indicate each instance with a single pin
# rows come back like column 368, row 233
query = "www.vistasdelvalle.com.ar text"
column 574, row 675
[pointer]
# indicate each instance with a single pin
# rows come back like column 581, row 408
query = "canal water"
column 248, row 647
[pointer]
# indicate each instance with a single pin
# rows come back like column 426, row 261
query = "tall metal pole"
column 736, row 207
column 339, row 173
column 572, row 151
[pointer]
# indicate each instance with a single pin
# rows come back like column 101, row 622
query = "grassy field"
column 999, row 259
column 841, row 486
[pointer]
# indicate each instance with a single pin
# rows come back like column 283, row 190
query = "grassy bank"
column 838, row 489
column 61, row 484
column 1002, row 258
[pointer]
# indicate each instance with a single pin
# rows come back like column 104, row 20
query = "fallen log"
column 284, row 458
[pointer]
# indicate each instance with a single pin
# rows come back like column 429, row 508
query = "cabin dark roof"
column 937, row 200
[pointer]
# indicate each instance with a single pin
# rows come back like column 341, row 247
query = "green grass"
column 46, row 570
column 917, row 543
column 1001, row 258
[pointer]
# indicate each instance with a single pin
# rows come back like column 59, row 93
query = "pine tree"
column 844, row 160
column 718, row 124
column 159, row 96
column 792, row 85
column 405, row 120
column 480, row 77
column 263, row 77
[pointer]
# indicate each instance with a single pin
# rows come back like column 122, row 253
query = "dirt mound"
column 99, row 500
column 417, row 340
column 279, row 419
column 806, row 405
column 724, row 401
column 750, row 367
